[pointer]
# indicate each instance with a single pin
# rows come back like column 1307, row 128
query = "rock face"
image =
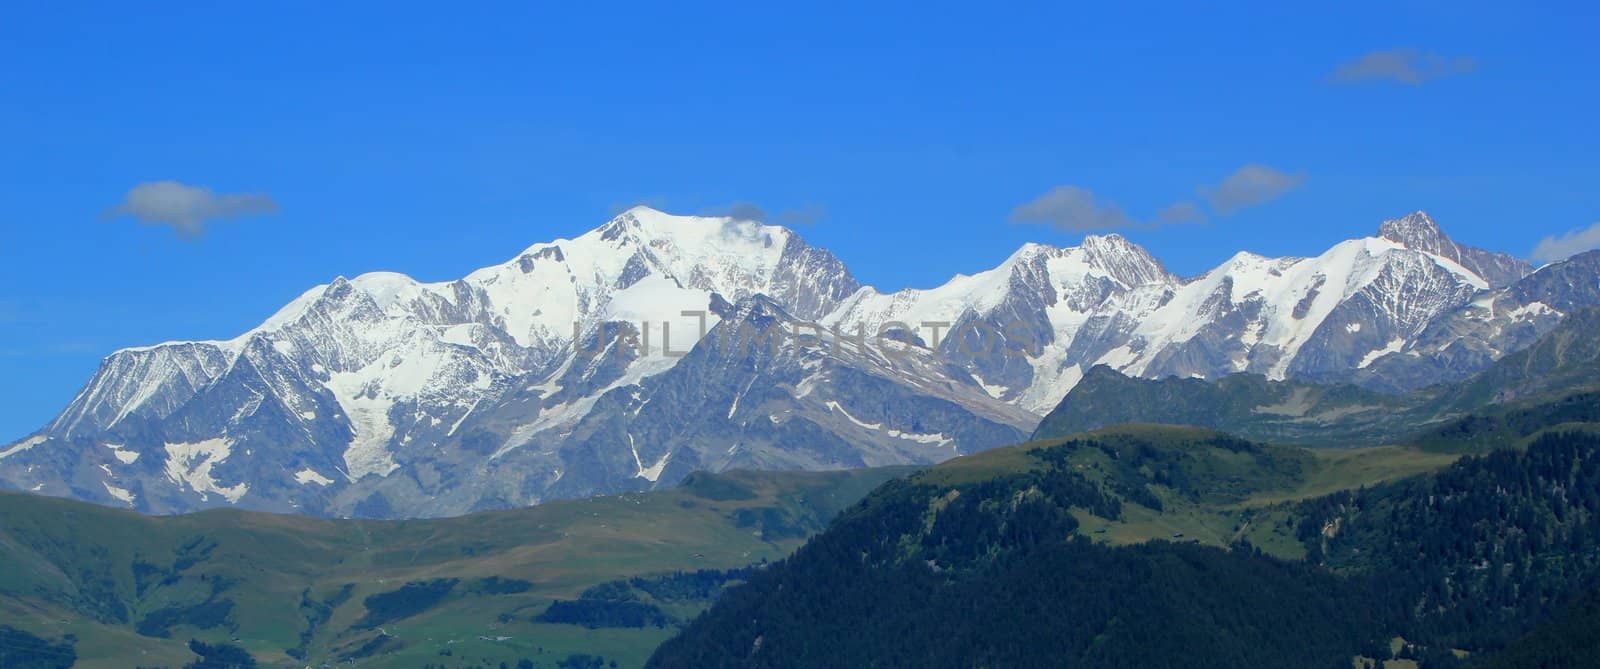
column 1554, row 380
column 1417, row 231
column 381, row 396
column 1020, row 328
column 1047, row 315
column 1470, row 337
column 602, row 364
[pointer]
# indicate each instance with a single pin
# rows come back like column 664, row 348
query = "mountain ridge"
column 524, row 381
column 1555, row 375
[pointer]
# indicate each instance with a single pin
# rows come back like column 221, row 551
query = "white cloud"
column 188, row 208
column 1406, row 66
column 1561, row 247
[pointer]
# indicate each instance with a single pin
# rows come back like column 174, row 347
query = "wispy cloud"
column 1249, row 186
column 187, row 209
column 1406, row 66
column 1072, row 209
column 1077, row 209
column 750, row 211
column 1561, row 247
column 1181, row 212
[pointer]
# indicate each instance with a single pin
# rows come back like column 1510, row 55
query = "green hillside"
column 1156, row 546
column 470, row 591
column 1207, row 486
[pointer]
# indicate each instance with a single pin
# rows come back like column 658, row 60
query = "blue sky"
column 433, row 139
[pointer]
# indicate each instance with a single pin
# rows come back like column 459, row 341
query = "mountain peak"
column 1029, row 251
column 1418, row 231
column 1112, row 255
column 1415, row 227
column 1130, row 263
column 1110, row 237
column 642, row 210
column 693, row 234
column 1111, row 244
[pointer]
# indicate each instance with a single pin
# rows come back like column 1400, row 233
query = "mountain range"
column 657, row 345
column 1556, row 379
column 1471, row 540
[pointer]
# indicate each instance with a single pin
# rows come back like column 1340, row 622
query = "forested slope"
column 994, row 566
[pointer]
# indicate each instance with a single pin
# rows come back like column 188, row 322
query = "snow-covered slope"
column 1419, row 232
column 1297, row 315
column 1493, row 324
column 1029, row 328
column 358, row 377
column 1013, row 326
column 573, row 369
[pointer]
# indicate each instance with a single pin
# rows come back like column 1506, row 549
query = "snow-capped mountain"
column 383, row 396
column 1493, row 324
column 1418, row 232
column 1055, row 313
column 654, row 345
column 1013, row 326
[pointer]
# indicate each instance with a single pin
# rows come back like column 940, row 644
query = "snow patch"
column 457, row 425
column 1371, row 357
column 808, row 384
column 309, row 475
column 119, row 494
column 190, row 464
column 23, row 445
column 933, row 438
column 653, row 472
column 1118, row 358
column 1531, row 310
column 732, row 408
column 834, row 406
